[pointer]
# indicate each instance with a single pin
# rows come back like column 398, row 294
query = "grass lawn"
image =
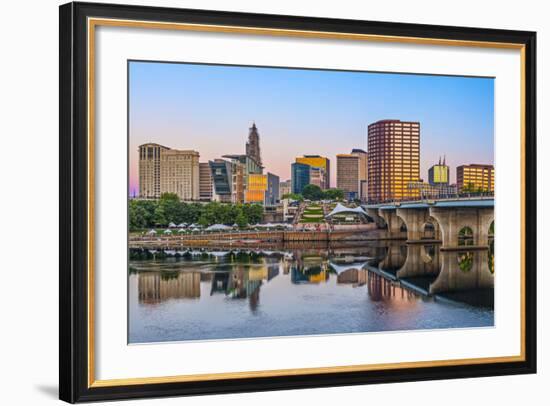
column 312, row 220
column 306, row 211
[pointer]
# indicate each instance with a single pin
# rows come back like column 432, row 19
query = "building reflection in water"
column 157, row 287
column 381, row 289
column 235, row 281
column 242, row 275
column 355, row 277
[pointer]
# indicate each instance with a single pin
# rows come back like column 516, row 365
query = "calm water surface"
column 202, row 295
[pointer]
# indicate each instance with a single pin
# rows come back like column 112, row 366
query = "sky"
column 209, row 108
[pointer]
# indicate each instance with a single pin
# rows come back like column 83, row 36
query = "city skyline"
column 161, row 113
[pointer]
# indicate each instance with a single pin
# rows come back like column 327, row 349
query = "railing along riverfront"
column 437, row 198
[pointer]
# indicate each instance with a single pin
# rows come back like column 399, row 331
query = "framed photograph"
column 257, row 202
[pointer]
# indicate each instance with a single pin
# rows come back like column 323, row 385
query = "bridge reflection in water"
column 200, row 294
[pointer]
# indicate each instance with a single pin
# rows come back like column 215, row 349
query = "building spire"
column 253, row 144
column 444, row 160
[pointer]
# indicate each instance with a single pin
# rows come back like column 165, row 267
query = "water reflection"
column 212, row 294
column 155, row 287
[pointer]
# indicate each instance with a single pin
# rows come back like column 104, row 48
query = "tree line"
column 315, row 193
column 170, row 209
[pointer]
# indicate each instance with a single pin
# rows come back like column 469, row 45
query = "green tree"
column 191, row 212
column 312, row 192
column 293, row 196
column 253, row 213
column 140, row 213
column 172, row 207
column 333, row 194
column 159, row 219
column 240, row 220
column 209, row 214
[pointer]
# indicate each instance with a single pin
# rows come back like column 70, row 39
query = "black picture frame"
column 73, row 256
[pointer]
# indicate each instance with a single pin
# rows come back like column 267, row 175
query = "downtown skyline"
column 300, row 112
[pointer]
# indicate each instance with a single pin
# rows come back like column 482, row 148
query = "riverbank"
column 244, row 238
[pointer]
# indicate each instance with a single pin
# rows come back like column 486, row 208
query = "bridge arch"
column 477, row 219
column 392, row 220
column 420, row 225
column 465, row 260
column 431, row 229
column 428, row 253
column 466, row 236
column 421, row 260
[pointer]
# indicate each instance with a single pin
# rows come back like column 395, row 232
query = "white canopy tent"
column 341, row 209
column 341, row 268
column 218, row 227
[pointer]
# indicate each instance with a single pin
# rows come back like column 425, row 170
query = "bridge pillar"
column 373, row 213
column 419, row 262
column 451, row 221
column 454, row 278
column 393, row 222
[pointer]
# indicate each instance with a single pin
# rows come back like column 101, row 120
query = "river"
column 196, row 294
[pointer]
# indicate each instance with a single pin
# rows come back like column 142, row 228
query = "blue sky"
column 209, row 108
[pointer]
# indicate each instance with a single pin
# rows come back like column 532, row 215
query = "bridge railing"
column 439, row 197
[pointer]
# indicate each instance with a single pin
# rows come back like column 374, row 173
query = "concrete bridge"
column 460, row 230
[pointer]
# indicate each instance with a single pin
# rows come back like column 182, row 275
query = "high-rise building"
column 256, row 188
column 250, row 165
column 438, row 191
column 475, row 178
column 317, row 176
column 238, row 181
column 222, row 180
column 300, row 176
column 393, row 160
column 285, row 188
column 243, row 167
column 347, row 175
column 253, row 145
column 438, row 175
column 149, row 170
column 317, row 161
column 272, row 192
column 205, row 182
column 179, row 173
column 363, row 171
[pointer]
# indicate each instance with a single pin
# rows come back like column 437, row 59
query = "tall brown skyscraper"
column 149, row 170
column 347, row 175
column 253, row 145
column 393, row 160
column 205, row 182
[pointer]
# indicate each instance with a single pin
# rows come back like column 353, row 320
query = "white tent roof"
column 151, row 232
column 216, row 227
column 340, row 208
column 167, row 231
column 339, row 269
column 172, row 225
